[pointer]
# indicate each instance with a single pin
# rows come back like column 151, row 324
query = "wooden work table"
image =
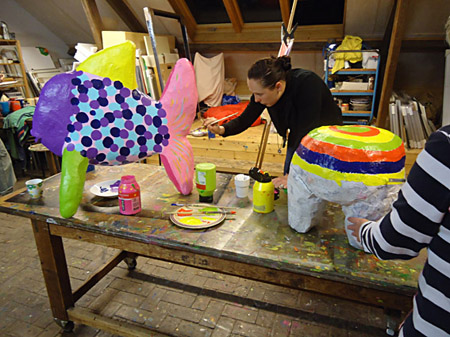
column 255, row 246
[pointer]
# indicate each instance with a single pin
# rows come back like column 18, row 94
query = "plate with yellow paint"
column 197, row 217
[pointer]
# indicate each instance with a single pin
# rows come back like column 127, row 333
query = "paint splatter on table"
column 262, row 240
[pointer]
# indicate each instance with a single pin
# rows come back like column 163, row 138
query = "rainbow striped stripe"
column 359, row 153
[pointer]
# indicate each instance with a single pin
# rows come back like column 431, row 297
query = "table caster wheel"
column 66, row 325
column 131, row 263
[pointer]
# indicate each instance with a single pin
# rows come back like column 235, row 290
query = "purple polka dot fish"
column 95, row 115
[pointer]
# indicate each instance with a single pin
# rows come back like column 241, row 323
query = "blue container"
column 5, row 108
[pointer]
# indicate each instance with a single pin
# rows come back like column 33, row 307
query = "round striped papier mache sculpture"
column 359, row 167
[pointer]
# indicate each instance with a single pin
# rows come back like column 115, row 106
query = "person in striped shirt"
column 420, row 218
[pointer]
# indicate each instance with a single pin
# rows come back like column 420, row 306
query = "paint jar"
column 14, row 105
column 205, row 180
column 129, row 196
column 263, row 197
column 263, row 191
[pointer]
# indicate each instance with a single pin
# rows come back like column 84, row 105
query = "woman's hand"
column 280, row 182
column 214, row 128
column 355, row 226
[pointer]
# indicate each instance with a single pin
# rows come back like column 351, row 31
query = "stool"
column 51, row 159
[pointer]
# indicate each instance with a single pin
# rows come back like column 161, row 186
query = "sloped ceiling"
column 368, row 19
column 67, row 19
column 425, row 18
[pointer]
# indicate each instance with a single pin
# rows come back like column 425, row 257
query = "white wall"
column 29, row 31
column 446, row 107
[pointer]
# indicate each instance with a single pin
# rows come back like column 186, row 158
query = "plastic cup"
column 242, row 182
column 34, row 188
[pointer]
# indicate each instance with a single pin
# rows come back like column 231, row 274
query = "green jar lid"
column 205, row 167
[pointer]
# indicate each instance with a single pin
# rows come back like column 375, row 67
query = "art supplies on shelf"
column 354, row 89
column 15, row 83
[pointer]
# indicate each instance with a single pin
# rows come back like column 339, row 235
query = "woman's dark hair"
column 270, row 70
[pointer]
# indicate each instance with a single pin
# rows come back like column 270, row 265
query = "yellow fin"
column 116, row 62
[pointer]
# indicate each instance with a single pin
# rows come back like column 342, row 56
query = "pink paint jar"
column 129, row 196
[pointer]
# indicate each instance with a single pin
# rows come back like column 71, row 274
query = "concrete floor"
column 177, row 300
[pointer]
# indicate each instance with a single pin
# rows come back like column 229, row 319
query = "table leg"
column 54, row 268
column 393, row 320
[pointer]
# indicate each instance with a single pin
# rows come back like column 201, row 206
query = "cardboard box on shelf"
column 354, row 86
column 164, row 43
column 162, row 58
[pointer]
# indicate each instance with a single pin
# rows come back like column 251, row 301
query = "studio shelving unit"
column 11, row 64
column 354, row 116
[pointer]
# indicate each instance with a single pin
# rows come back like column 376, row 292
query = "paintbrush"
column 222, row 119
column 200, row 205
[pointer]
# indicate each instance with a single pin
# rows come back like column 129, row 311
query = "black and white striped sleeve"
column 422, row 203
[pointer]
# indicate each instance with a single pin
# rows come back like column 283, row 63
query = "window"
column 319, row 12
column 208, row 11
column 260, row 10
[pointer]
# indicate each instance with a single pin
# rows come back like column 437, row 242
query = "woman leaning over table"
column 298, row 100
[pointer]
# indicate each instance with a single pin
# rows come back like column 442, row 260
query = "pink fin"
column 179, row 100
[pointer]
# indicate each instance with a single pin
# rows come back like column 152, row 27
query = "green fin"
column 73, row 175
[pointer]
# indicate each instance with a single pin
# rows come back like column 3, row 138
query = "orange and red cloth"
column 226, row 110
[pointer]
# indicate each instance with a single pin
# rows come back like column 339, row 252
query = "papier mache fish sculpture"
column 359, row 167
column 95, row 115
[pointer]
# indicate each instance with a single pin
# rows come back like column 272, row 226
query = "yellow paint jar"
column 263, row 197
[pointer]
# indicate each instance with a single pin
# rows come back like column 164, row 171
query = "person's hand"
column 214, row 128
column 280, row 182
column 355, row 226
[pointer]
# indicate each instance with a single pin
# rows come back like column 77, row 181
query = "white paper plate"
column 105, row 190
column 198, row 221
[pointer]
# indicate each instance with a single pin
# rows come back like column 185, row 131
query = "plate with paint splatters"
column 106, row 189
column 197, row 218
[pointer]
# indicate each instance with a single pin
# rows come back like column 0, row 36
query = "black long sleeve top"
column 306, row 104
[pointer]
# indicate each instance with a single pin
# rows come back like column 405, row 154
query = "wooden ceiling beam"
column 235, row 15
column 128, row 16
column 94, row 20
column 436, row 45
column 285, row 11
column 262, row 33
column 391, row 62
column 181, row 8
